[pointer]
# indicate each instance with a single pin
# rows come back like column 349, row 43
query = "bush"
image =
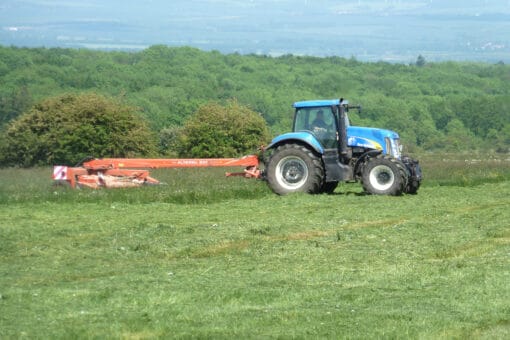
column 68, row 128
column 222, row 131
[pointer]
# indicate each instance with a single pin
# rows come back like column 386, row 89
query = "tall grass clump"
column 464, row 169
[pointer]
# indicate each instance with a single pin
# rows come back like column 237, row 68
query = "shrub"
column 68, row 128
column 222, row 131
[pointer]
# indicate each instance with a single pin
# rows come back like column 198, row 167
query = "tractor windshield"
column 320, row 121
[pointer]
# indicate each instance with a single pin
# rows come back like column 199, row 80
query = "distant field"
column 211, row 257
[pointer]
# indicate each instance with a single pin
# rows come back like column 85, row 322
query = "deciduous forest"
column 450, row 106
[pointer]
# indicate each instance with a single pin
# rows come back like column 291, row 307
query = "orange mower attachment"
column 120, row 173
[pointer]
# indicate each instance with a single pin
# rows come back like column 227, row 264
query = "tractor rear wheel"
column 384, row 175
column 294, row 168
column 329, row 187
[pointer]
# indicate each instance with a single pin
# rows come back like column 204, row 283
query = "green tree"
column 169, row 141
column 459, row 137
column 13, row 104
column 420, row 61
column 67, row 128
column 168, row 84
column 222, row 131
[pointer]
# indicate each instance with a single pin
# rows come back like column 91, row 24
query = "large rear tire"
column 294, row 168
column 384, row 175
column 329, row 187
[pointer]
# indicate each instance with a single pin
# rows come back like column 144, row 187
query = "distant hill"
column 369, row 30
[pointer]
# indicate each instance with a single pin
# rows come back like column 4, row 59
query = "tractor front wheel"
column 384, row 175
column 294, row 168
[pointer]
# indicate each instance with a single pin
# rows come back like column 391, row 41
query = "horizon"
column 368, row 30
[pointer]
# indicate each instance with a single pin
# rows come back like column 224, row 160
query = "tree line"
column 71, row 128
column 454, row 106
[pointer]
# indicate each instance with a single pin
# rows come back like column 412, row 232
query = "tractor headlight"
column 393, row 147
column 396, row 148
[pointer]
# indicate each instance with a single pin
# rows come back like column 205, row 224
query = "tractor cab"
column 321, row 118
column 320, row 121
column 328, row 123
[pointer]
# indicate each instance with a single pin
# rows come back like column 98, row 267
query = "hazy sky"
column 370, row 28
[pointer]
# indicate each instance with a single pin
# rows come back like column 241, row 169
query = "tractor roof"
column 321, row 102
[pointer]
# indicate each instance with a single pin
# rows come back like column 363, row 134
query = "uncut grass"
column 200, row 186
column 464, row 169
column 344, row 265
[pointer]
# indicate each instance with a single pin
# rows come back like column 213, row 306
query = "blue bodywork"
column 372, row 138
column 302, row 136
column 368, row 138
column 318, row 103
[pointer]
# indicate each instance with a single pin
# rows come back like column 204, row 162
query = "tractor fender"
column 302, row 137
column 361, row 160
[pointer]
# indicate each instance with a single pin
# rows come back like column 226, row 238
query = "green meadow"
column 205, row 256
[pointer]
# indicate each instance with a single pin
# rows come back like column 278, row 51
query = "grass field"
column 212, row 257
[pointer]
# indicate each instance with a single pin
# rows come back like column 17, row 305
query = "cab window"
column 320, row 121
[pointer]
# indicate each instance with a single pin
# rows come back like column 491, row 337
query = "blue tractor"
column 324, row 149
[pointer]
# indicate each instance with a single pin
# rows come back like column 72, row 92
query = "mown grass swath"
column 206, row 256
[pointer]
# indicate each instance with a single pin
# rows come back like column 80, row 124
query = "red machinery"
column 120, row 173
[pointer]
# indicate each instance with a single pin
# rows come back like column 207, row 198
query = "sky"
column 373, row 30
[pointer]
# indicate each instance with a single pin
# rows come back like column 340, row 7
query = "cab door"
column 319, row 121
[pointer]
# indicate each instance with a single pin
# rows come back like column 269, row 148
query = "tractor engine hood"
column 372, row 138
